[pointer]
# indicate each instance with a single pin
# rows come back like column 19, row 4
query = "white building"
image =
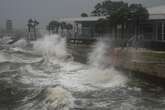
column 9, row 26
column 152, row 30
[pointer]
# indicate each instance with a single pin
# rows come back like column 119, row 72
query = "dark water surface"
column 46, row 77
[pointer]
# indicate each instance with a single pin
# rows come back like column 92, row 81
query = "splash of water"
column 51, row 98
column 99, row 56
column 51, row 46
column 74, row 76
column 59, row 99
column 22, row 43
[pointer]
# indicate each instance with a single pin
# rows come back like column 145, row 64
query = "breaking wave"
column 51, row 70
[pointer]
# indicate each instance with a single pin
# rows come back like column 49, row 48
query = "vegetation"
column 150, row 56
column 69, row 27
column 54, row 26
column 101, row 26
column 32, row 24
column 84, row 15
column 32, row 27
column 120, row 13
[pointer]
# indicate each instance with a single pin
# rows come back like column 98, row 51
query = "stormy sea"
column 45, row 76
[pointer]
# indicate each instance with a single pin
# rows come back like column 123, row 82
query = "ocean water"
column 45, row 76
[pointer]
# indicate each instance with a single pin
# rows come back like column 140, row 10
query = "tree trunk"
column 122, row 31
column 115, row 27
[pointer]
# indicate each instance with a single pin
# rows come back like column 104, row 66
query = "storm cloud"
column 45, row 10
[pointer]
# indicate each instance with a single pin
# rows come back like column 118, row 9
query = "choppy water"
column 46, row 77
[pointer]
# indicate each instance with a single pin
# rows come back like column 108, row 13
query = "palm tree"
column 63, row 26
column 69, row 27
column 32, row 26
column 137, row 14
column 53, row 26
column 36, row 23
column 101, row 26
column 84, row 15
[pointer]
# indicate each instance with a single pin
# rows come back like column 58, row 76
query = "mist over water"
column 46, row 77
column 74, row 75
column 59, row 68
column 97, row 57
column 51, row 46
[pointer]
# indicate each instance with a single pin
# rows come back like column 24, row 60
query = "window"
column 148, row 31
column 161, row 31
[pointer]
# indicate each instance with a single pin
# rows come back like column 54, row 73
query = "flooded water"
column 45, row 76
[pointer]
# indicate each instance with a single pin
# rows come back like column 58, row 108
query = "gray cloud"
column 44, row 10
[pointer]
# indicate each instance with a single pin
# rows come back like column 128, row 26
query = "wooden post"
column 156, row 26
column 162, row 31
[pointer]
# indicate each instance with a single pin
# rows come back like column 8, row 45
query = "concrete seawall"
column 141, row 60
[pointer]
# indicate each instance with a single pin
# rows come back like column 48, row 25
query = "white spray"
column 51, row 45
column 74, row 76
column 97, row 72
column 99, row 57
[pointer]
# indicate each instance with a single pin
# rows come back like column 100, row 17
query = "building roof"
column 157, row 12
column 157, row 17
column 80, row 19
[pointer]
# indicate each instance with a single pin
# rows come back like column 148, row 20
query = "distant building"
column 83, row 27
column 154, row 28
column 150, row 33
column 9, row 26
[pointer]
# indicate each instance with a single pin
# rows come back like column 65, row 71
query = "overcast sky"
column 45, row 10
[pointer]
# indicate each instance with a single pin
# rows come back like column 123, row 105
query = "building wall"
column 153, row 30
column 9, row 26
column 147, row 34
